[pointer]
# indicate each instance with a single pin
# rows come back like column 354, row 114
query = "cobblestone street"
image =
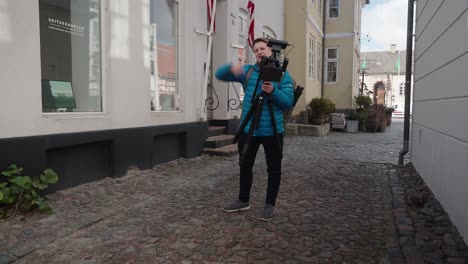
column 334, row 206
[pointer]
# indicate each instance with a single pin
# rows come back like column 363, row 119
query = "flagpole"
column 398, row 72
column 202, row 110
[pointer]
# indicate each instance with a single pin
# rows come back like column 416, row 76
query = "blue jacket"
column 282, row 97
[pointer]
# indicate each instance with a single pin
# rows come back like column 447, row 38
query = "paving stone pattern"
column 334, row 206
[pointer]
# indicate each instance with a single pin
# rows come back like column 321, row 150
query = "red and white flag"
column 251, row 8
column 209, row 5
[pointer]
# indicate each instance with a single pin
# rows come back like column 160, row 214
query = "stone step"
column 216, row 130
column 218, row 141
column 229, row 150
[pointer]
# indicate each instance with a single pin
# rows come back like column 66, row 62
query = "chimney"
column 392, row 48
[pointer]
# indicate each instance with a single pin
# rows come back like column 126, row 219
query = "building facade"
column 388, row 67
column 93, row 88
column 439, row 138
column 326, row 35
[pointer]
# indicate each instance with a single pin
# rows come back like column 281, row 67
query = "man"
column 281, row 95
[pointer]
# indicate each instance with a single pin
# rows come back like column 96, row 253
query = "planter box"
column 352, row 126
column 307, row 130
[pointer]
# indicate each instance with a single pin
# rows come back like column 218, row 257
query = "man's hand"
column 267, row 87
column 237, row 69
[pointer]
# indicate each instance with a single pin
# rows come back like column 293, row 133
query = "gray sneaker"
column 236, row 206
column 268, row 212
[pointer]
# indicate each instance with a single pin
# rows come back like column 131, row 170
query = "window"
column 243, row 26
column 70, row 44
column 334, row 9
column 332, row 64
column 319, row 7
column 319, row 62
column 165, row 93
column 268, row 33
column 311, row 57
column 402, row 88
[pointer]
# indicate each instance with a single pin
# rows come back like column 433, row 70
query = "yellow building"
column 326, row 39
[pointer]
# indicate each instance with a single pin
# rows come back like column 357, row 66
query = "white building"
column 91, row 88
column 439, row 140
column 388, row 67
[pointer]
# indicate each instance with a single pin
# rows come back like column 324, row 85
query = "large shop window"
column 70, row 55
column 165, row 92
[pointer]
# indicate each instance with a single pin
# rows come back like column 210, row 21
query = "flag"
column 397, row 65
column 209, row 7
column 251, row 36
column 364, row 64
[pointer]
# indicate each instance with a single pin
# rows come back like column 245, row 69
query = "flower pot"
column 372, row 124
column 382, row 124
column 352, row 126
column 317, row 120
column 362, row 125
column 389, row 119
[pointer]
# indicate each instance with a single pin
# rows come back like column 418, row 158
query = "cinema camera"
column 271, row 69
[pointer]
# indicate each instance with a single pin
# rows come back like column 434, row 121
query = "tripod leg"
column 244, row 123
column 275, row 129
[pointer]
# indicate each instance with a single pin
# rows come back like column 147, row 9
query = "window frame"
column 332, row 60
column 102, row 69
column 319, row 7
column 311, row 52
column 319, row 61
column 177, row 35
column 243, row 21
column 338, row 7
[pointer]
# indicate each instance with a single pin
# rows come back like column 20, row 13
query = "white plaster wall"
column 125, row 62
column 269, row 13
column 20, row 69
column 439, row 142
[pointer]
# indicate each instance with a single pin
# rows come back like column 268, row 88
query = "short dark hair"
column 259, row 40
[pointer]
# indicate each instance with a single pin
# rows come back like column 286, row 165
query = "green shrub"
column 363, row 101
column 389, row 110
column 21, row 194
column 321, row 106
column 355, row 115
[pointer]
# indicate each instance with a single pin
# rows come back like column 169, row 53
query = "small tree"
column 363, row 101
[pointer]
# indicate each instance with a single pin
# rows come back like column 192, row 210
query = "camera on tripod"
column 270, row 67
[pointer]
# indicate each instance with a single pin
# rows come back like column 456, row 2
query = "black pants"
column 273, row 155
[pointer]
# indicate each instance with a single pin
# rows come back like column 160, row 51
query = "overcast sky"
column 384, row 23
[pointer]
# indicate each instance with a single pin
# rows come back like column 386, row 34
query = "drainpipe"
column 324, row 13
column 409, row 59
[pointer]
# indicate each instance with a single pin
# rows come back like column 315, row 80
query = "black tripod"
column 255, row 112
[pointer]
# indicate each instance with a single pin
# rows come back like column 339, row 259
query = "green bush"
column 363, row 101
column 389, row 110
column 321, row 106
column 356, row 115
column 21, row 194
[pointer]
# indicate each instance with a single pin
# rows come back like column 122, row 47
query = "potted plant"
column 352, row 124
column 320, row 108
column 389, row 113
column 374, row 117
column 363, row 103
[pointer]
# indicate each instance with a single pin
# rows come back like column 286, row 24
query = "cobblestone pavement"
column 334, row 206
